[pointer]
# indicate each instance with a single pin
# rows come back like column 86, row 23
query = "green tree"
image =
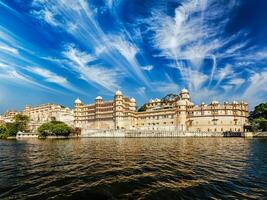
column 12, row 129
column 61, row 129
column 142, row 108
column 3, row 132
column 22, row 122
column 45, row 129
column 56, row 128
column 258, row 117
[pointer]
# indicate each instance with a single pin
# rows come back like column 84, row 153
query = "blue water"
column 134, row 168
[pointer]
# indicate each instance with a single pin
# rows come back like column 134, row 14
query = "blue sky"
column 56, row 51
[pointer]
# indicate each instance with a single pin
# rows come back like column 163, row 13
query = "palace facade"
column 118, row 113
column 175, row 113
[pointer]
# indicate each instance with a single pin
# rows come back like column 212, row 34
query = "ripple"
column 134, row 168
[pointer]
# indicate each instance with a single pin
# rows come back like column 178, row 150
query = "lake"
column 134, row 168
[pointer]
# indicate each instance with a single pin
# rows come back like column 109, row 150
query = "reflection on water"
column 134, row 168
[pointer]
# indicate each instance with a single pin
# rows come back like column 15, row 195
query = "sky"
column 56, row 51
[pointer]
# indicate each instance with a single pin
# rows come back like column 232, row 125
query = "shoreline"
column 143, row 134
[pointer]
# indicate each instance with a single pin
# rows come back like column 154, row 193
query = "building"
column 175, row 113
column 118, row 113
column 1, row 120
column 8, row 116
column 47, row 112
column 182, row 114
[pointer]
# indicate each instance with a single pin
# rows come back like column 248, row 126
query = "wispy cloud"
column 9, row 49
column 147, row 68
column 117, row 50
column 53, row 78
column 108, row 78
column 9, row 74
column 256, row 90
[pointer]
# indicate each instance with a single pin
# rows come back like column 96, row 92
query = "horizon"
column 58, row 51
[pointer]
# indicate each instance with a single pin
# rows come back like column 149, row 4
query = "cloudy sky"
column 56, row 51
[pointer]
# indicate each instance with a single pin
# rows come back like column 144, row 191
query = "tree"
column 170, row 97
column 56, row 128
column 3, row 132
column 142, row 108
column 260, row 111
column 258, row 117
column 12, row 129
column 45, row 129
column 22, row 122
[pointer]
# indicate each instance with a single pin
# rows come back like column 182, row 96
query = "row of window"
column 155, row 123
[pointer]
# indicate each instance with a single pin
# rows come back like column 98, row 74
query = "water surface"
column 134, row 168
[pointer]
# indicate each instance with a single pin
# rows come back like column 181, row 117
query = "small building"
column 47, row 112
column 21, row 135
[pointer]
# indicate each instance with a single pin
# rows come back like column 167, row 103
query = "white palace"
column 174, row 113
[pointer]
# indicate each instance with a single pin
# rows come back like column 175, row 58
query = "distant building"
column 8, row 116
column 47, row 112
column 1, row 120
column 174, row 113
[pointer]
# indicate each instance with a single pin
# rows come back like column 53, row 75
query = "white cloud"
column 127, row 49
column 165, row 87
column 141, row 91
column 47, row 16
column 49, row 76
column 13, row 76
column 223, row 73
column 236, row 81
column 9, row 49
column 256, row 90
column 147, row 68
column 106, row 77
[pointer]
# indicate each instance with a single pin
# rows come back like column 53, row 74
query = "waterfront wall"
column 149, row 133
column 260, row 134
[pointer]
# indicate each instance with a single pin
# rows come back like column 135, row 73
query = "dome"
column 157, row 100
column 118, row 92
column 235, row 102
column 133, row 100
column 78, row 101
column 215, row 102
column 203, row 103
column 191, row 103
column 181, row 103
column 98, row 98
column 184, row 91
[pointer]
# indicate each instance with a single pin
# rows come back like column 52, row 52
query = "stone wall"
column 147, row 133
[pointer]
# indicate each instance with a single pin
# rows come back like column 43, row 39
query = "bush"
column 55, row 128
column 22, row 122
column 258, row 117
column 260, row 124
column 3, row 132
column 12, row 129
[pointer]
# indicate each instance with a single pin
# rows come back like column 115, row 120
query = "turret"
column 133, row 104
column 98, row 99
column 118, row 108
column 77, row 102
column 181, row 114
column 184, row 94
